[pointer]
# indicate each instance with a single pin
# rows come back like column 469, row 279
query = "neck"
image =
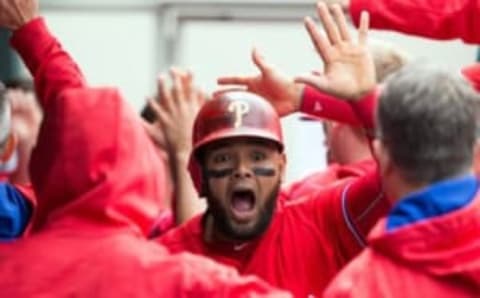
column 397, row 187
column 213, row 235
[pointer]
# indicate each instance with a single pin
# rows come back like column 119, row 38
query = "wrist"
column 23, row 22
column 297, row 95
column 181, row 156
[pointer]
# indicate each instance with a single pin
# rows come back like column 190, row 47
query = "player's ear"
column 8, row 148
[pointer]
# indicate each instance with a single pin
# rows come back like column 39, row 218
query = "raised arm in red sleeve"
column 320, row 104
column 52, row 67
column 440, row 19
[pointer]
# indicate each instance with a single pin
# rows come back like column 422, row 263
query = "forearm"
column 187, row 202
column 435, row 19
column 320, row 104
column 51, row 66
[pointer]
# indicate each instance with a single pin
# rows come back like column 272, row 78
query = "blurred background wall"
column 127, row 43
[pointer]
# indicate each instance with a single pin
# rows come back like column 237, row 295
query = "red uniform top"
column 335, row 173
column 441, row 19
column 438, row 257
column 97, row 178
column 307, row 242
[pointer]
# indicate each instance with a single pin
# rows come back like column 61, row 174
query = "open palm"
column 349, row 71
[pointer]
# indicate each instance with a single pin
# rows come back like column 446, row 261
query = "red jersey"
column 438, row 257
column 335, row 173
column 441, row 19
column 307, row 242
column 98, row 180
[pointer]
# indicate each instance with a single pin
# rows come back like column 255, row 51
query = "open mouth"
column 243, row 204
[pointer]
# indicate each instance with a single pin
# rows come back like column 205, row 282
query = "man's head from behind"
column 238, row 162
column 426, row 128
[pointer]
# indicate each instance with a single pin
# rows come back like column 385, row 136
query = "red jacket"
column 440, row 19
column 307, row 242
column 98, row 181
column 439, row 257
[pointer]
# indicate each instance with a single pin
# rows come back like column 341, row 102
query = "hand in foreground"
column 176, row 109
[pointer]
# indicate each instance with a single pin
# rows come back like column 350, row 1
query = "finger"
column 319, row 41
column 200, row 96
column 363, row 28
column 328, row 23
column 234, row 80
column 177, row 86
column 341, row 22
column 188, row 83
column 318, row 82
column 163, row 94
column 186, row 78
column 260, row 62
column 162, row 115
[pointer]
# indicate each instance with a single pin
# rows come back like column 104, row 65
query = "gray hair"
column 427, row 121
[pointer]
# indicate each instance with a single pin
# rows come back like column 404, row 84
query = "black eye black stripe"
column 219, row 173
column 264, row 172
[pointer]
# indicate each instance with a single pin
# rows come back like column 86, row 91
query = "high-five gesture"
column 176, row 111
column 280, row 90
column 16, row 13
column 349, row 70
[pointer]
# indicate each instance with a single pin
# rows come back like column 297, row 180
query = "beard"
column 232, row 230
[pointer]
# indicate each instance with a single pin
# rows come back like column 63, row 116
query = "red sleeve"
column 472, row 73
column 366, row 108
column 439, row 19
column 322, row 105
column 349, row 210
column 317, row 103
column 363, row 203
column 52, row 68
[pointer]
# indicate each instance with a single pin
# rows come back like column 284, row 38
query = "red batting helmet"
column 232, row 114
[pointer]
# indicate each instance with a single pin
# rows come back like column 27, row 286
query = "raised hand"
column 282, row 92
column 16, row 13
column 176, row 111
column 349, row 71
